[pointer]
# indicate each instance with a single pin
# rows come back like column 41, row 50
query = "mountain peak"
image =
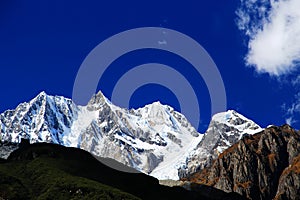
column 224, row 116
column 154, row 139
column 236, row 121
column 98, row 99
column 100, row 93
column 157, row 106
column 41, row 95
column 230, row 117
column 225, row 129
column 157, row 103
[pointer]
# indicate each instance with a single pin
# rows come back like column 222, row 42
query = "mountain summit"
column 154, row 139
column 43, row 119
column 225, row 129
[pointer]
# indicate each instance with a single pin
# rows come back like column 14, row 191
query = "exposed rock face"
column 225, row 129
column 6, row 148
column 154, row 139
column 289, row 182
column 44, row 119
column 260, row 166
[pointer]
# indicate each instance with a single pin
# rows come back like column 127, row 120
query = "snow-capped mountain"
column 224, row 130
column 154, row 139
column 150, row 138
column 44, row 119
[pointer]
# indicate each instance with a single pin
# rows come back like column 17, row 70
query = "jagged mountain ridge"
column 262, row 166
column 225, row 129
column 147, row 138
column 43, row 119
column 154, row 139
column 144, row 138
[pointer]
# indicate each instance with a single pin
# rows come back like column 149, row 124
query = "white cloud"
column 290, row 121
column 296, row 81
column 273, row 29
column 293, row 110
column 295, row 107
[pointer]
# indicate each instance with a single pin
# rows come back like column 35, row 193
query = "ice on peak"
column 155, row 111
column 157, row 106
column 98, row 98
column 225, row 129
column 148, row 107
column 236, row 121
column 100, row 93
column 41, row 97
column 44, row 97
column 154, row 138
column 229, row 117
column 42, row 93
column 157, row 103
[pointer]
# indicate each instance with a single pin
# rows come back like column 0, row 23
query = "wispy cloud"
column 273, row 32
column 292, row 111
column 296, row 81
column 290, row 121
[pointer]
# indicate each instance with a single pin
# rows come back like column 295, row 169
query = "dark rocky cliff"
column 261, row 166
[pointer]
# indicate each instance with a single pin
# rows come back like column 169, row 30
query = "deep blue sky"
column 43, row 43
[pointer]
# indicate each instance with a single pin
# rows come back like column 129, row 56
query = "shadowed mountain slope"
column 49, row 171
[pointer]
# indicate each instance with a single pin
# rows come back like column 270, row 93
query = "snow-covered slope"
column 44, row 119
column 149, row 138
column 154, row 139
column 225, row 129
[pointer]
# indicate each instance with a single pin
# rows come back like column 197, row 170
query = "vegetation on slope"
column 41, row 178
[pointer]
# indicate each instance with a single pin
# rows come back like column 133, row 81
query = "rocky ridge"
column 154, row 139
column 225, row 129
column 260, row 166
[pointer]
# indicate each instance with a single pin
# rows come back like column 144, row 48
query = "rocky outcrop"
column 224, row 130
column 260, row 166
column 289, row 182
column 6, row 148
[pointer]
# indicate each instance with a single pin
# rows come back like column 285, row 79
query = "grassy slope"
column 48, row 171
column 41, row 178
